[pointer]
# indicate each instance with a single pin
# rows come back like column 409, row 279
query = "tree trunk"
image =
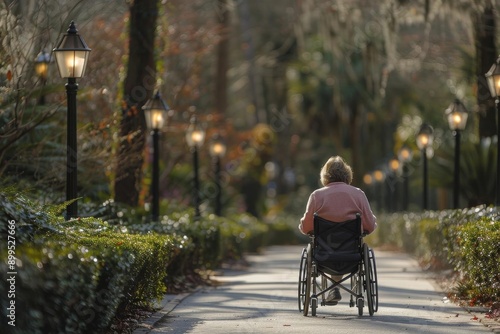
column 486, row 55
column 138, row 88
column 222, row 61
column 354, row 138
column 249, row 57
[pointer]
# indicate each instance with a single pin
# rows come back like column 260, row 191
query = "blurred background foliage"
column 286, row 83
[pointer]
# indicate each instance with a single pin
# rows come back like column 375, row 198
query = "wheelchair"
column 337, row 249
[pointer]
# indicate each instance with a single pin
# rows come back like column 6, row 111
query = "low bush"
column 467, row 241
column 55, row 289
column 74, row 276
column 474, row 250
column 283, row 230
column 212, row 239
column 77, row 275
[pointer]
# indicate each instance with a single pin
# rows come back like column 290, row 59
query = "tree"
column 32, row 128
column 223, row 16
column 346, row 56
column 139, row 84
column 486, row 54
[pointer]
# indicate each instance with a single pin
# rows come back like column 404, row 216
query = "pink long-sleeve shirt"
column 338, row 202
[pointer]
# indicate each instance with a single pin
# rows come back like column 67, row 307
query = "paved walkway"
column 263, row 299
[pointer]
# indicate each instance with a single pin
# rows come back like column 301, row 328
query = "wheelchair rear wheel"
column 372, row 277
column 304, row 287
column 368, row 281
column 302, row 279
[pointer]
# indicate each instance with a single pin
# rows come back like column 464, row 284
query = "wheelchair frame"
column 313, row 276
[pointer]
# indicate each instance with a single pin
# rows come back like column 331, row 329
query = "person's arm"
column 368, row 219
column 306, row 225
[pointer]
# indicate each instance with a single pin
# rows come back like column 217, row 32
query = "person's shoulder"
column 319, row 190
column 355, row 189
column 345, row 186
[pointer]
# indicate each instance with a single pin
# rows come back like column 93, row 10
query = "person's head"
column 336, row 170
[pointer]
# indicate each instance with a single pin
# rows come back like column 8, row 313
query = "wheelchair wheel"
column 360, row 302
column 367, row 279
column 373, row 279
column 324, row 286
column 302, row 280
column 352, row 301
column 304, row 288
column 314, row 306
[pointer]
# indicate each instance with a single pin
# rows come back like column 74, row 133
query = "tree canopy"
column 286, row 83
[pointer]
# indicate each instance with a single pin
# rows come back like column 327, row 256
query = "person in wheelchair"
column 337, row 201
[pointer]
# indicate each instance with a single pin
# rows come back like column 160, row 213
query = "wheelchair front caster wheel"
column 314, row 306
column 360, row 303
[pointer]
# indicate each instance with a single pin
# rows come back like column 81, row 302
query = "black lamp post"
column 394, row 166
column 71, row 56
column 493, row 77
column 155, row 112
column 368, row 180
column 379, row 178
column 405, row 155
column 217, row 151
column 42, row 62
column 424, row 141
column 457, row 119
column 195, row 137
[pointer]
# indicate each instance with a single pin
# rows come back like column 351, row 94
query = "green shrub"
column 243, row 233
column 74, row 276
column 77, row 275
column 283, row 230
column 430, row 246
column 55, row 288
column 31, row 218
column 466, row 240
column 212, row 239
column 142, row 259
column 475, row 252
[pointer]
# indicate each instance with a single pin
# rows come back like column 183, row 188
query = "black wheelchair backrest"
column 337, row 245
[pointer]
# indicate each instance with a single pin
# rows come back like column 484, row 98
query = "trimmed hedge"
column 467, row 241
column 66, row 287
column 474, row 251
column 211, row 239
column 76, row 276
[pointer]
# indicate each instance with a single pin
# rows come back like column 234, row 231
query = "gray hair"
column 336, row 170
